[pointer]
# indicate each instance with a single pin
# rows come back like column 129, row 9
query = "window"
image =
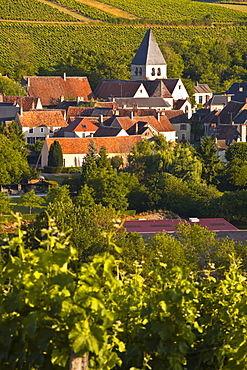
column 41, row 129
column 83, row 134
column 31, row 131
column 64, row 162
column 179, row 86
column 136, row 71
column 200, row 99
column 31, row 140
column 141, row 91
column 153, row 72
column 183, row 127
column 159, row 72
column 140, row 71
column 183, row 137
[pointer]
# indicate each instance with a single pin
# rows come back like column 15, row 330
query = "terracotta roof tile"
column 36, row 118
column 50, row 89
column 173, row 113
column 113, row 145
column 162, row 125
column 25, row 102
column 116, row 88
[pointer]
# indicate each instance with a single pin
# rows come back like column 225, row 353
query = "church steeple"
column 148, row 63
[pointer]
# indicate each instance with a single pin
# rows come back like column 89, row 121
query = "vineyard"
column 32, row 11
column 168, row 12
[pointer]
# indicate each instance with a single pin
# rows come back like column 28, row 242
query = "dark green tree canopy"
column 237, row 152
column 55, row 157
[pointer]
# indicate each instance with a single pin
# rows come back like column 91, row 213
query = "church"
column 149, row 86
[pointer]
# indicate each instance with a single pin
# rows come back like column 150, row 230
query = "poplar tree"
column 55, row 158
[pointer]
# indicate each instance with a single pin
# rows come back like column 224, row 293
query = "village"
column 120, row 113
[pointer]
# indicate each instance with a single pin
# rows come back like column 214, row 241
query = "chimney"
column 21, row 111
column 64, row 76
column 28, row 81
column 196, row 83
column 243, row 133
column 158, row 116
column 61, row 98
column 218, row 120
column 136, row 128
column 101, row 119
column 33, row 107
column 232, row 122
column 131, row 114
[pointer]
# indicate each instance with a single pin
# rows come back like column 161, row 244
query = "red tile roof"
column 116, row 88
column 50, row 89
column 25, row 102
column 36, row 118
column 173, row 113
column 163, row 125
column 157, row 226
column 113, row 145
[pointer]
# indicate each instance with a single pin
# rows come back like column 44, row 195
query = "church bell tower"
column 148, row 63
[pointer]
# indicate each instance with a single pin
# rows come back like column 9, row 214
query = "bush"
column 51, row 169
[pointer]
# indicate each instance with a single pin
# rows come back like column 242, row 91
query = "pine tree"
column 55, row 158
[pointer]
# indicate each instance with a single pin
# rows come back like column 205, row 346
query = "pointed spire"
column 149, row 52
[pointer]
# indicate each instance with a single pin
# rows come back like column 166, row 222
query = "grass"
column 241, row 8
column 59, row 178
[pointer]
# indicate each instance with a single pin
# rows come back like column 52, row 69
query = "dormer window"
column 159, row 72
column 140, row 71
column 41, row 129
column 136, row 71
column 153, row 72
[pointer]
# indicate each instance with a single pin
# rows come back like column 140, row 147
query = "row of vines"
column 31, row 10
column 167, row 12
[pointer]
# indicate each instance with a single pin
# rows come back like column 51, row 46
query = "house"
column 79, row 127
column 111, row 89
column 8, row 112
column 237, row 87
column 181, row 123
column 143, row 103
column 109, row 131
column 24, row 102
column 38, row 124
column 218, row 102
column 202, row 94
column 75, row 149
column 145, row 126
column 53, row 89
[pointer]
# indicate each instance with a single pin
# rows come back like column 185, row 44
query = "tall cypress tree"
column 55, row 158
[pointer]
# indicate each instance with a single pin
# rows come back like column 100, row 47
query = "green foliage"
column 237, row 153
column 13, row 165
column 211, row 164
column 11, row 87
column 31, row 10
column 31, row 200
column 55, row 157
column 4, row 203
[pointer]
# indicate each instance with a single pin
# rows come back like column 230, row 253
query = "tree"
column 31, row 200
column 15, row 134
column 4, row 203
column 237, row 152
column 55, row 157
column 185, row 164
column 13, row 165
column 211, row 163
column 11, row 87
